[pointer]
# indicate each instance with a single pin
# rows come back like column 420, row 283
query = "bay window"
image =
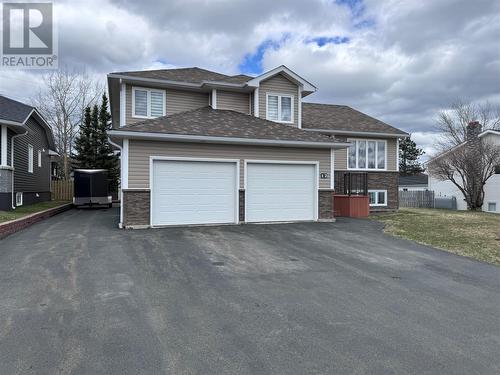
column 366, row 154
column 148, row 103
column 279, row 108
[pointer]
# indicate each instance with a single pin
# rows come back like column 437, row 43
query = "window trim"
column 377, row 191
column 148, row 101
column 30, row 158
column 292, row 99
column 353, row 140
column 39, row 158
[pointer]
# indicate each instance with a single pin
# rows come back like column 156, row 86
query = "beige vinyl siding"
column 278, row 84
column 176, row 101
column 140, row 151
column 341, row 155
column 235, row 101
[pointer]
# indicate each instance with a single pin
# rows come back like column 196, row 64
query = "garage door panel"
column 193, row 192
column 280, row 192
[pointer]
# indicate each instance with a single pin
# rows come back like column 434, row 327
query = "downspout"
column 12, row 164
column 120, row 224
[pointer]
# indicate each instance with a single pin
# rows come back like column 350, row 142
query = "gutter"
column 12, row 162
column 229, row 140
column 120, row 224
column 178, row 83
column 351, row 132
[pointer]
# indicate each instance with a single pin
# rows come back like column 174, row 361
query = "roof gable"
column 287, row 73
column 12, row 110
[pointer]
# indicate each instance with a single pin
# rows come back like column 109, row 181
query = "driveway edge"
column 13, row 226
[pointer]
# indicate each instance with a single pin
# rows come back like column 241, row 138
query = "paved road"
column 79, row 296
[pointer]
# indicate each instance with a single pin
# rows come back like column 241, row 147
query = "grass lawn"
column 27, row 210
column 470, row 234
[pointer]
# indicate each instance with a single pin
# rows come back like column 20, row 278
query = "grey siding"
column 341, row 155
column 39, row 180
column 279, row 85
column 176, row 101
column 140, row 151
column 235, row 101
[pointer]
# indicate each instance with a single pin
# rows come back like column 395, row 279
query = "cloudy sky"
column 399, row 60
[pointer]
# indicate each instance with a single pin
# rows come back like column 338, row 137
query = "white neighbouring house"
column 492, row 188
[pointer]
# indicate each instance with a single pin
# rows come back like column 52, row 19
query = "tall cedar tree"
column 92, row 146
column 105, row 158
column 83, row 141
column 409, row 155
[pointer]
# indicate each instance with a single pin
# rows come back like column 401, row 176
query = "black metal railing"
column 352, row 183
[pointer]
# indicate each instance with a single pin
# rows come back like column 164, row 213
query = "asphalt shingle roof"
column 419, row 179
column 225, row 123
column 189, row 75
column 341, row 117
column 12, row 110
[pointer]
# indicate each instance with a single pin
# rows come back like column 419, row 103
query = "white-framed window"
column 492, row 206
column 39, row 158
column 367, row 154
column 279, row 108
column 377, row 197
column 30, row 159
column 19, row 199
column 148, row 103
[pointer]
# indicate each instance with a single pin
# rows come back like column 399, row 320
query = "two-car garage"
column 207, row 191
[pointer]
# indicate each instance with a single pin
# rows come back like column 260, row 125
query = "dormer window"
column 148, row 103
column 279, row 108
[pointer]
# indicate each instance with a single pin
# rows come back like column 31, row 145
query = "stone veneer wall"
column 136, row 207
column 378, row 181
column 325, row 198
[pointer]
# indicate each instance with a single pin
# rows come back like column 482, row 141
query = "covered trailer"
column 91, row 187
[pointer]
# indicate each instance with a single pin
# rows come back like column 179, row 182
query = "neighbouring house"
column 26, row 146
column 446, row 188
column 200, row 147
column 418, row 182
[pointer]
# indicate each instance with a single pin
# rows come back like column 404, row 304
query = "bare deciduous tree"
column 468, row 161
column 62, row 101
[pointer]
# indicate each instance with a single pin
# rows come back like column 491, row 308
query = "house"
column 445, row 188
column 418, row 182
column 200, row 147
column 26, row 146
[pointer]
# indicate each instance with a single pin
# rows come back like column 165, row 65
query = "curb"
column 13, row 226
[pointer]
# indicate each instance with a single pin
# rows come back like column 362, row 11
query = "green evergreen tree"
column 94, row 124
column 105, row 158
column 83, row 142
column 409, row 154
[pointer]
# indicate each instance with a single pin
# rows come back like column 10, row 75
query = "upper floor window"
column 148, row 103
column 367, row 154
column 279, row 108
column 30, row 159
column 39, row 158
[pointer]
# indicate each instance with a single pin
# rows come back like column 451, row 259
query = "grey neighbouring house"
column 200, row 147
column 417, row 182
column 26, row 146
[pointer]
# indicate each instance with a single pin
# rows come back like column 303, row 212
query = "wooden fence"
column 62, row 190
column 416, row 199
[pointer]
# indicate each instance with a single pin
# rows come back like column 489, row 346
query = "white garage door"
column 281, row 192
column 193, row 192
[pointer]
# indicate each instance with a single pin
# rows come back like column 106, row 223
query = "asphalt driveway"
column 79, row 296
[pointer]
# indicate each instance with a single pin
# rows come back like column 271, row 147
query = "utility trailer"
column 91, row 188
